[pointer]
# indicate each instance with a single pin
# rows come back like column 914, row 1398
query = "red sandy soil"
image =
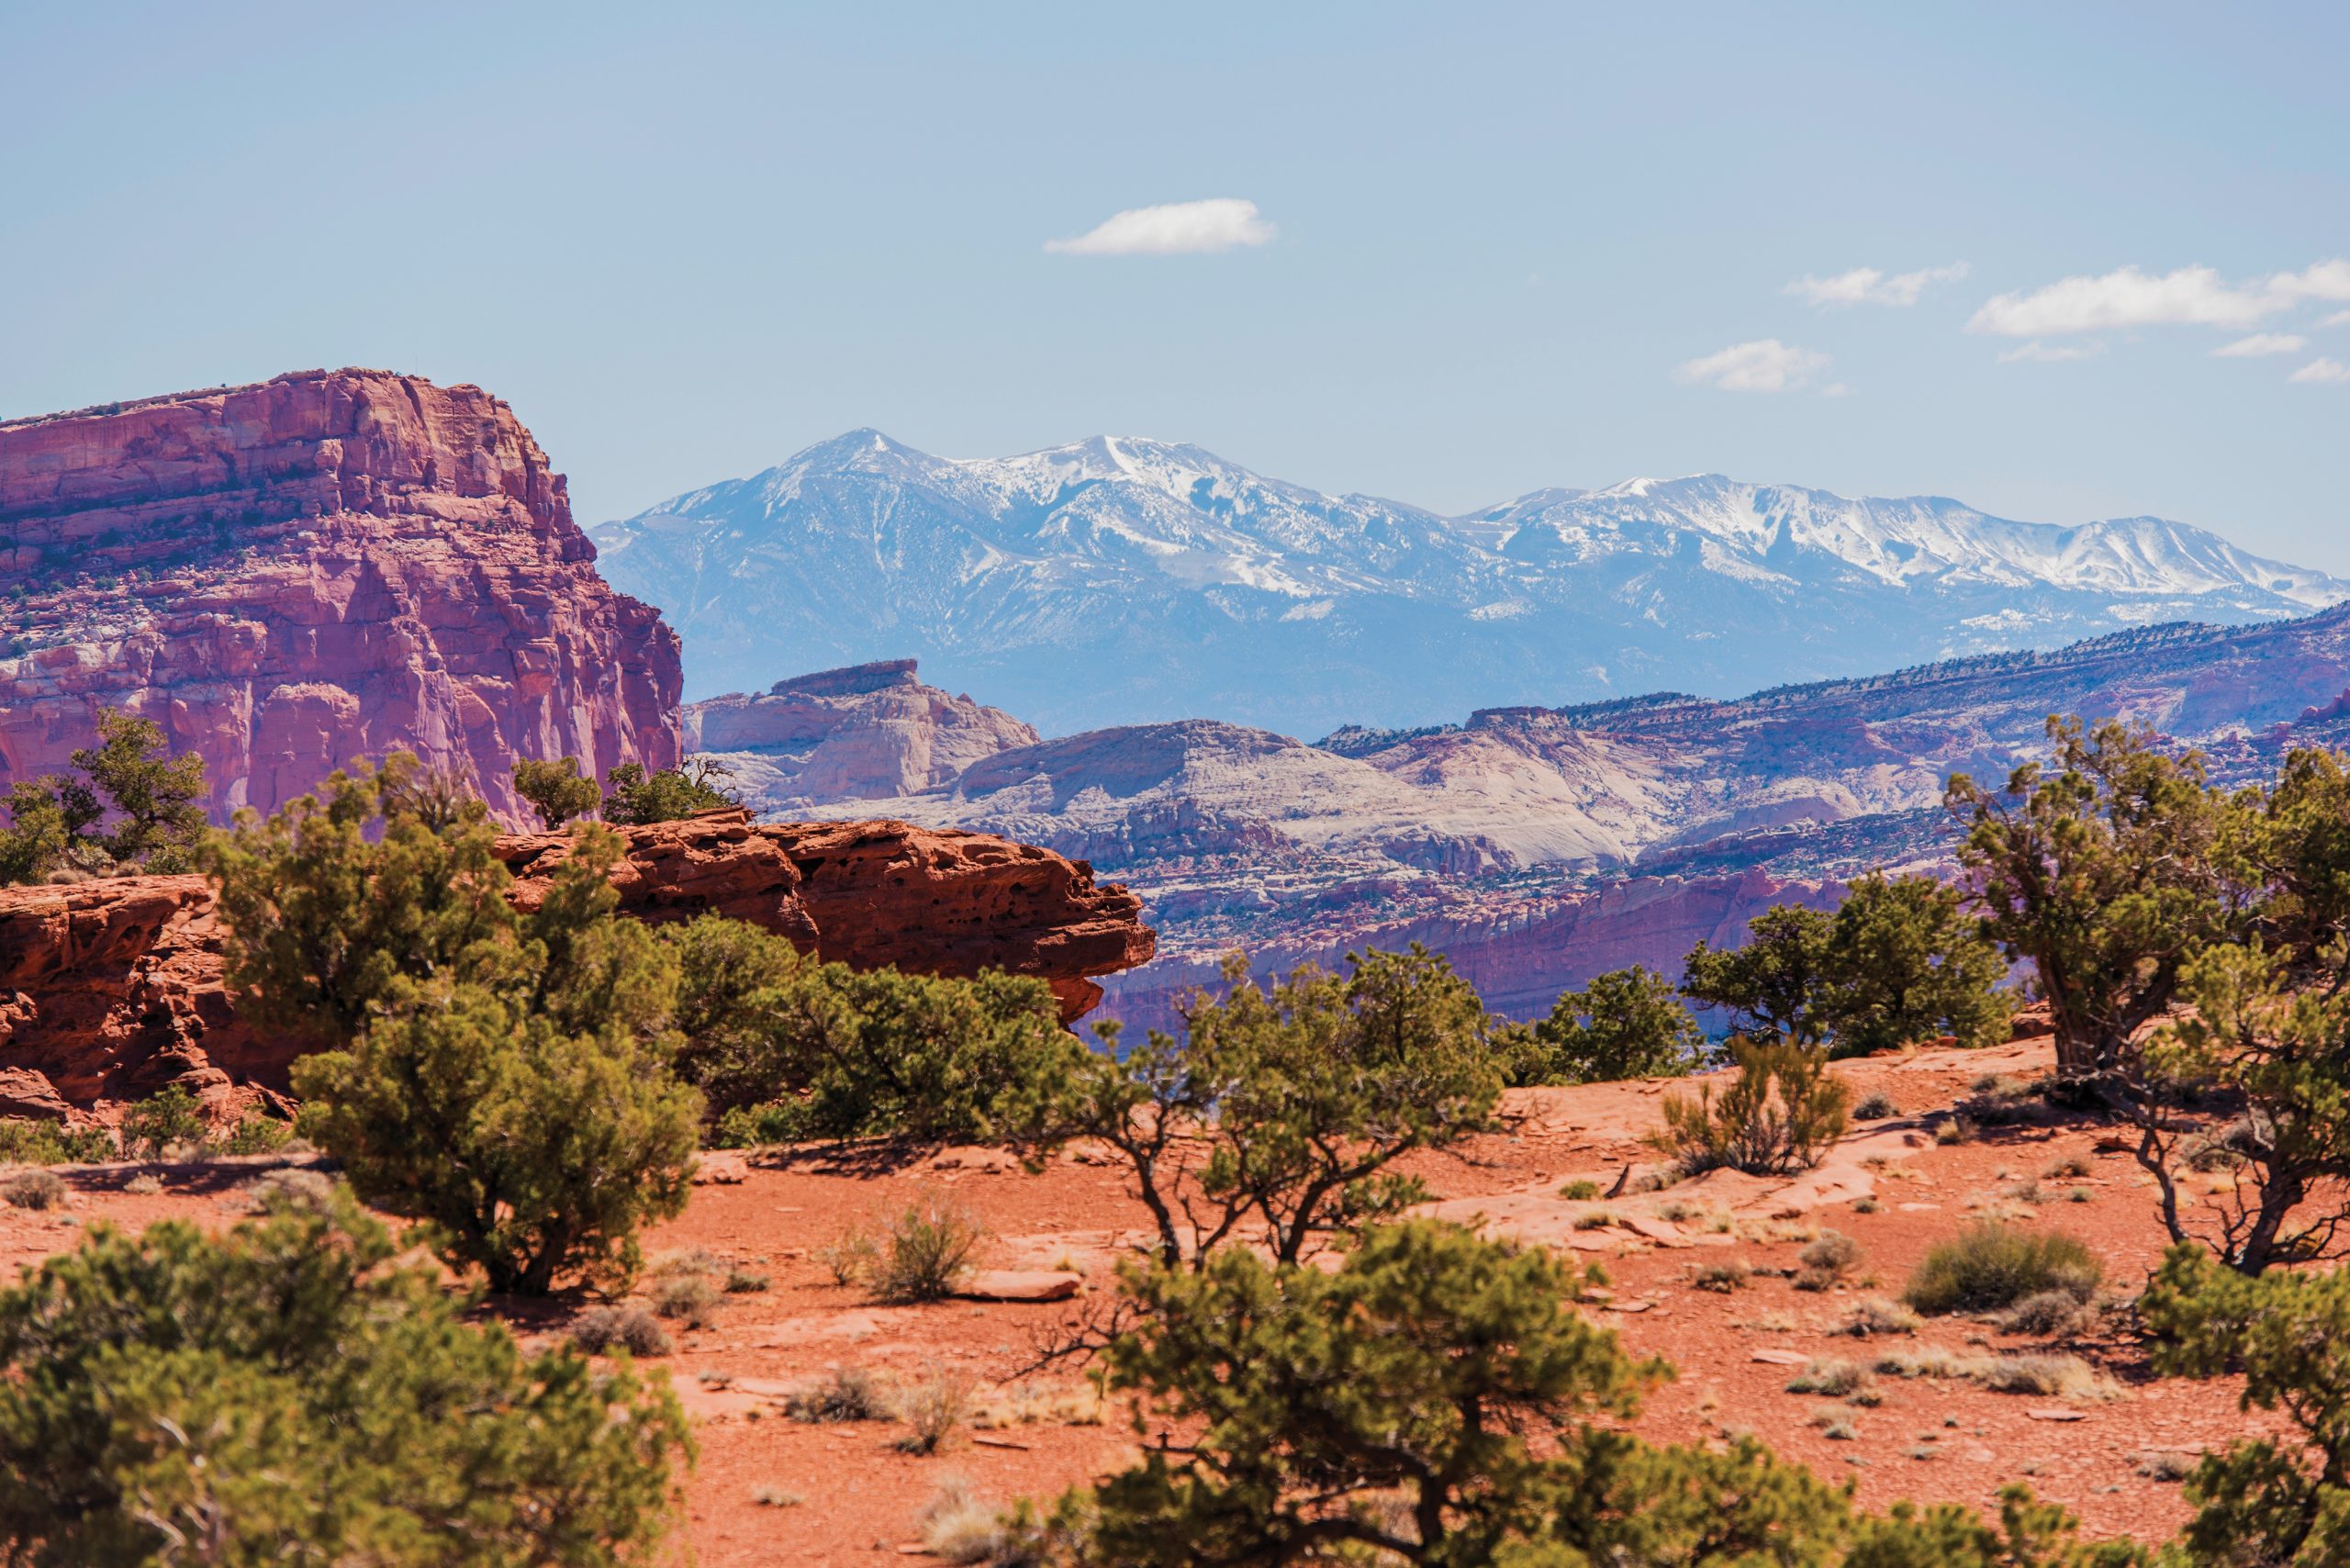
column 858, row 1494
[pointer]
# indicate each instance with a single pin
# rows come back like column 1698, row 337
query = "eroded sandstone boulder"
column 111, row 989
column 324, row 566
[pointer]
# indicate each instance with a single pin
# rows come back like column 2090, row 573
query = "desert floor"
column 769, row 1489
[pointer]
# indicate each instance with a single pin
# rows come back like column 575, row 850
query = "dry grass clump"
column 2168, row 1464
column 2065, row 1377
column 934, row 1411
column 1998, row 1099
column 1722, row 1277
column 1989, row 1266
column 1596, row 1219
column 690, row 1299
column 768, row 1496
column 143, row 1185
column 2071, row 1166
column 1875, row 1315
column 745, row 1281
column 845, row 1394
column 1581, row 1190
column 1044, row 1402
column 959, row 1526
column 631, row 1329
column 1875, row 1106
column 1832, row 1253
column 33, row 1190
column 1830, row 1376
column 2044, row 1314
column 1959, row 1129
column 920, row 1254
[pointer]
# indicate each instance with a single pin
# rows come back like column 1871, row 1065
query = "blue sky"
column 1491, row 247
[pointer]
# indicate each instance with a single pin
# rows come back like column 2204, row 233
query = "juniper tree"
column 556, row 791
column 1906, row 962
column 2288, row 1333
column 2279, row 1058
column 1771, row 985
column 1279, row 1111
column 1625, row 1023
column 2106, row 869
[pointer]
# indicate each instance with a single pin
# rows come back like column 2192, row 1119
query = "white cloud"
column 2339, row 319
column 2194, row 297
column 1767, row 366
column 1866, row 285
column 2323, row 371
column 2040, row 353
column 1178, row 228
column 2260, row 343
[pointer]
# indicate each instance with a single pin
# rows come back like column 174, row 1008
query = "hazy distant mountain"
column 1119, row 580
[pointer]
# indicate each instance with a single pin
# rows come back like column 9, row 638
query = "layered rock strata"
column 866, row 732
column 324, row 566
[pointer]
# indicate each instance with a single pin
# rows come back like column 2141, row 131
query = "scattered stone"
column 1018, row 1284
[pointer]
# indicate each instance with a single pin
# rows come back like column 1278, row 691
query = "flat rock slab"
column 721, row 1171
column 1781, row 1358
column 1018, row 1284
column 2056, row 1413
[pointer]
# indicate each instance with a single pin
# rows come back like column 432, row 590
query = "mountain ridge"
column 1121, row 579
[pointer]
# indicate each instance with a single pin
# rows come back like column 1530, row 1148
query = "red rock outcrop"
column 328, row 565
column 111, row 989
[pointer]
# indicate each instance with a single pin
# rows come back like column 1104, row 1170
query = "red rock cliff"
column 328, row 565
column 111, row 989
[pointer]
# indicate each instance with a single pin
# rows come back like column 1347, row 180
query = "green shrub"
column 161, row 1121
column 787, row 1049
column 48, row 1143
column 1777, row 1115
column 2287, row 1334
column 256, row 1134
column 534, row 1150
column 1905, row 963
column 286, row 1392
column 1581, row 1190
column 1991, row 1266
column 635, row 797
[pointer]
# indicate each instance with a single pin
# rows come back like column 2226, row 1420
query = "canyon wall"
column 327, row 565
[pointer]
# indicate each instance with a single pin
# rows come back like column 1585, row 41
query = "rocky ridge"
column 113, row 989
column 1538, row 846
column 323, row 566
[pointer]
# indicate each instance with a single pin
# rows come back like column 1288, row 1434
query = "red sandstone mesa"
column 111, row 989
column 325, row 566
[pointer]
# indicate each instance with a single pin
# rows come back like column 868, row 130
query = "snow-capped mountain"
column 1120, row 579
